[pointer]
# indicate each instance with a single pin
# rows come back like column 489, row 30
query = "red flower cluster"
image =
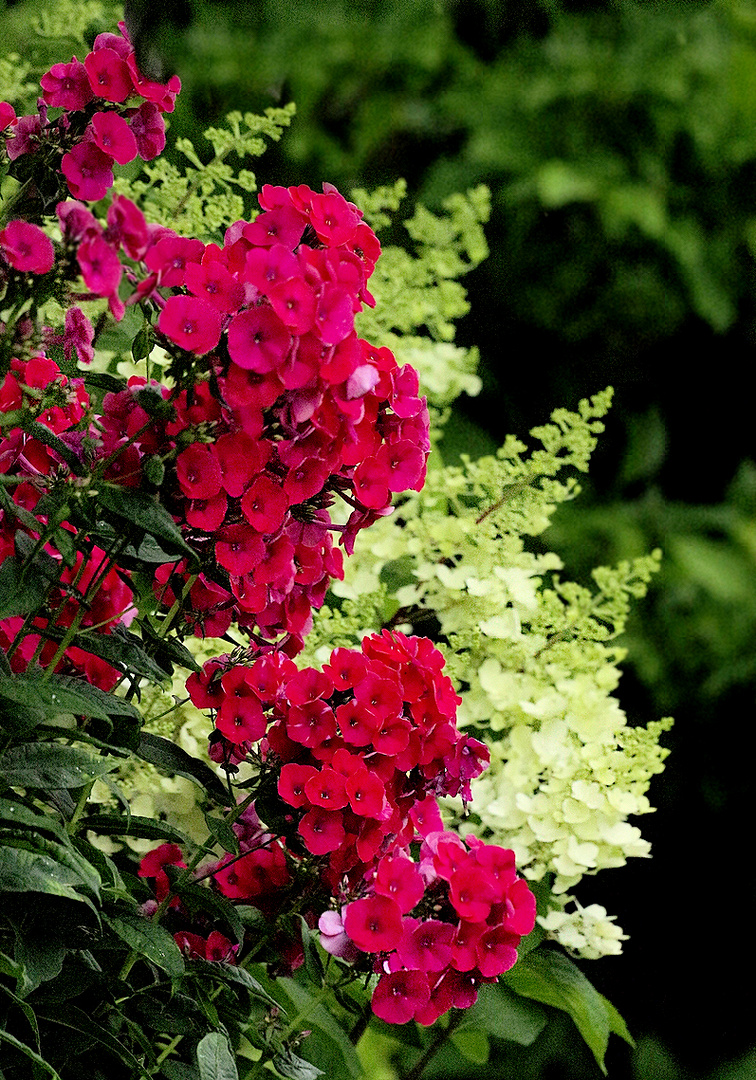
column 436, row 928
column 94, row 129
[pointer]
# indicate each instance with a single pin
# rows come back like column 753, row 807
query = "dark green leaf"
column 41, row 959
column 146, row 828
column 170, row 758
column 505, row 1015
column 473, row 1045
column 617, row 1024
column 24, row 589
column 200, row 900
column 44, row 435
column 141, row 346
column 222, row 833
column 168, row 651
column 214, row 1058
column 64, row 855
column 23, row 871
column 27, row 1050
column 179, row 1070
column 234, row 974
column 51, row 765
column 150, row 940
column 120, row 648
column 62, row 694
column 313, row 965
column 139, row 509
column 550, row 977
column 75, row 1018
column 295, row 1068
column 15, row 814
column 154, row 470
column 328, row 1046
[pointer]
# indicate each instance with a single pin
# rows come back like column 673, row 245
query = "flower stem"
column 441, row 1036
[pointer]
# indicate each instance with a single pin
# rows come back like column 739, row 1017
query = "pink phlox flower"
column 239, row 548
column 322, row 830
column 76, row 221
column 264, row 504
column 162, row 94
column 198, row 471
column 374, row 923
column 116, row 42
column 333, row 218
column 309, row 684
column 114, row 136
column 212, row 282
column 327, row 788
column 496, row 951
column 334, row 938
column 334, row 315
column 258, row 340
column 400, row 996
column 291, row 783
column 266, row 267
column 148, row 128
column 400, row 878
column 100, row 266
column 427, row 946
column 25, row 136
column 108, row 75
column 26, row 248
column 207, row 514
column 191, row 323
column 281, row 225
column 67, row 86
column 311, row 723
column 7, row 115
column 127, row 226
column 88, row 171
column 295, row 302
column 241, row 458
column 169, row 257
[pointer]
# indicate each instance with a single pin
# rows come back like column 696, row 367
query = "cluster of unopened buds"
column 360, row 751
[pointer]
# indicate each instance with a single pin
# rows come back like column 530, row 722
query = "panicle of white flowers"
column 533, row 657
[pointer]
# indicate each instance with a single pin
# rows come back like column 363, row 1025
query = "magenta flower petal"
column 27, row 248
column 191, row 323
column 258, row 340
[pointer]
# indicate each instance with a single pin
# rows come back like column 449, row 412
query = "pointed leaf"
column 40, row 1062
column 504, row 1015
column 23, row 871
column 150, row 940
column 170, row 758
column 143, row 827
column 75, row 1018
column 47, row 766
column 214, row 1058
column 550, row 977
column 140, row 510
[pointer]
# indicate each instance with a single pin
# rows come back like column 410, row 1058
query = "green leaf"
column 617, row 1024
column 473, row 1045
column 62, row 694
column 170, row 758
column 21, row 590
column 295, row 1068
column 168, row 651
column 222, row 833
column 313, row 965
column 550, row 977
column 141, row 510
column 47, row 766
column 504, row 1015
column 178, row 1070
column 120, row 648
column 75, row 1018
column 16, row 814
column 328, row 1046
column 150, row 940
column 239, row 975
column 22, row 870
column 64, row 855
column 214, row 1058
column 27, row 1050
column 143, row 827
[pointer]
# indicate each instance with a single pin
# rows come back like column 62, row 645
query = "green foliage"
column 201, row 198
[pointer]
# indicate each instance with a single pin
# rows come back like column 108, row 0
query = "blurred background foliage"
column 619, row 143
